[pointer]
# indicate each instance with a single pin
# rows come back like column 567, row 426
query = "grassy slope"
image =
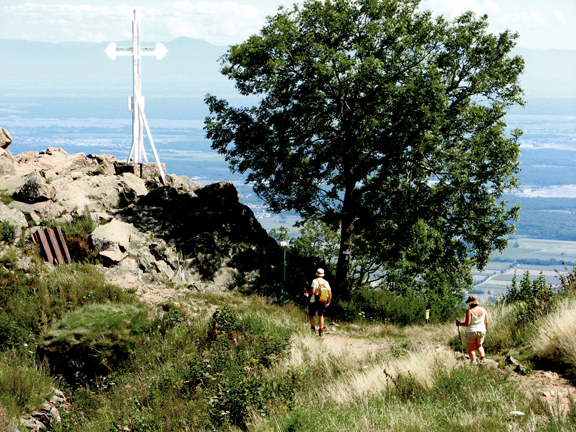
column 184, row 374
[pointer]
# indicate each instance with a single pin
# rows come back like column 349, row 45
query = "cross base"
column 142, row 170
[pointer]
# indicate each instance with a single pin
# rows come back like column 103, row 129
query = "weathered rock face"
column 179, row 233
column 5, row 138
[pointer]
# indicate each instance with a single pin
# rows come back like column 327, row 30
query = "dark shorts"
column 319, row 307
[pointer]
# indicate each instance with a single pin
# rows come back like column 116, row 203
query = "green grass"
column 251, row 366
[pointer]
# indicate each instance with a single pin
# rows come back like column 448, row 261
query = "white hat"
column 320, row 272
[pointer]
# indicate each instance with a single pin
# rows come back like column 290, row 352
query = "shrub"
column 229, row 369
column 535, row 297
column 94, row 339
column 7, row 232
column 383, row 306
column 36, row 301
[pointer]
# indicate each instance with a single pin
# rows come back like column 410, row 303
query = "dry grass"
column 557, row 333
column 374, row 379
column 348, row 374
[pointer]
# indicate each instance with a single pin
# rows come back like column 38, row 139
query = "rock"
column 516, row 365
column 38, row 212
column 490, row 363
column 23, row 263
column 99, row 193
column 6, row 163
column 161, row 251
column 165, row 272
column 13, row 217
column 32, row 424
column 35, row 190
column 5, row 138
column 182, row 183
column 112, row 256
column 146, row 261
column 137, row 241
column 116, row 232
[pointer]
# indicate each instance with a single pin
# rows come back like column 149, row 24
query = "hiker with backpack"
column 320, row 298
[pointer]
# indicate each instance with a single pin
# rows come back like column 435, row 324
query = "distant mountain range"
column 191, row 68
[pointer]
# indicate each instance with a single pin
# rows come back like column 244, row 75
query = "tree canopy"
column 384, row 123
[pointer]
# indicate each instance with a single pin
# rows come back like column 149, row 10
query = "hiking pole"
column 460, row 336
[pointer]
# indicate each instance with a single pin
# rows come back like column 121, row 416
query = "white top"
column 477, row 324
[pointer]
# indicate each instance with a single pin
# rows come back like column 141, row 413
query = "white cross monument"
column 136, row 102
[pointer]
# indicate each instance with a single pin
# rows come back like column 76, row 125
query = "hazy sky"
column 541, row 24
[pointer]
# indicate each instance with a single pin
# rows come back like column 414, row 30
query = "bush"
column 7, row 232
column 384, row 306
column 229, row 369
column 535, row 297
column 35, row 301
column 94, row 339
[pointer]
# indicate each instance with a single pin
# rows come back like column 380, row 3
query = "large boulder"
column 114, row 233
column 5, row 138
column 35, row 190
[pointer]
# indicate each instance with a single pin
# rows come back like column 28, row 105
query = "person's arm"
column 466, row 322
column 329, row 298
column 485, row 319
column 312, row 289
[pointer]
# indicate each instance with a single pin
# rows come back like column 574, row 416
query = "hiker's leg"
column 321, row 321
column 480, row 349
column 311, row 313
column 471, row 347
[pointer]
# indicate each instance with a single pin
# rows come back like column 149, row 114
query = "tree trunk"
column 343, row 287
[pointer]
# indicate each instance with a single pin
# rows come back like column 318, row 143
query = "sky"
column 541, row 24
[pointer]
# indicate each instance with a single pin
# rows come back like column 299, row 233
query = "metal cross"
column 136, row 102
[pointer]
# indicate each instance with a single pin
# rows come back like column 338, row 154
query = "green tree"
column 386, row 124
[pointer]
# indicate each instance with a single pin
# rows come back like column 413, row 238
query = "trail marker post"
column 136, row 102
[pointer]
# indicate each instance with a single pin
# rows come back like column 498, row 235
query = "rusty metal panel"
column 53, row 245
column 62, row 243
column 45, row 247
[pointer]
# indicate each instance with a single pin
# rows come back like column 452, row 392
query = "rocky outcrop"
column 48, row 415
column 149, row 234
column 5, row 138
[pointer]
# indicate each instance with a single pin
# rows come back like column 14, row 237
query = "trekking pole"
column 460, row 336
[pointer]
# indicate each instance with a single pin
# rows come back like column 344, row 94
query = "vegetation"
column 246, row 364
column 7, row 232
column 391, row 133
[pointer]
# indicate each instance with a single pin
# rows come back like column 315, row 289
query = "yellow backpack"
column 322, row 291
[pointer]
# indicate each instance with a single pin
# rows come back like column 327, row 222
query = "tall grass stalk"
column 557, row 332
column 503, row 330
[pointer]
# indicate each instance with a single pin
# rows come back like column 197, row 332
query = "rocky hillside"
column 162, row 239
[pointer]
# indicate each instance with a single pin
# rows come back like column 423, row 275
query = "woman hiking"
column 476, row 324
